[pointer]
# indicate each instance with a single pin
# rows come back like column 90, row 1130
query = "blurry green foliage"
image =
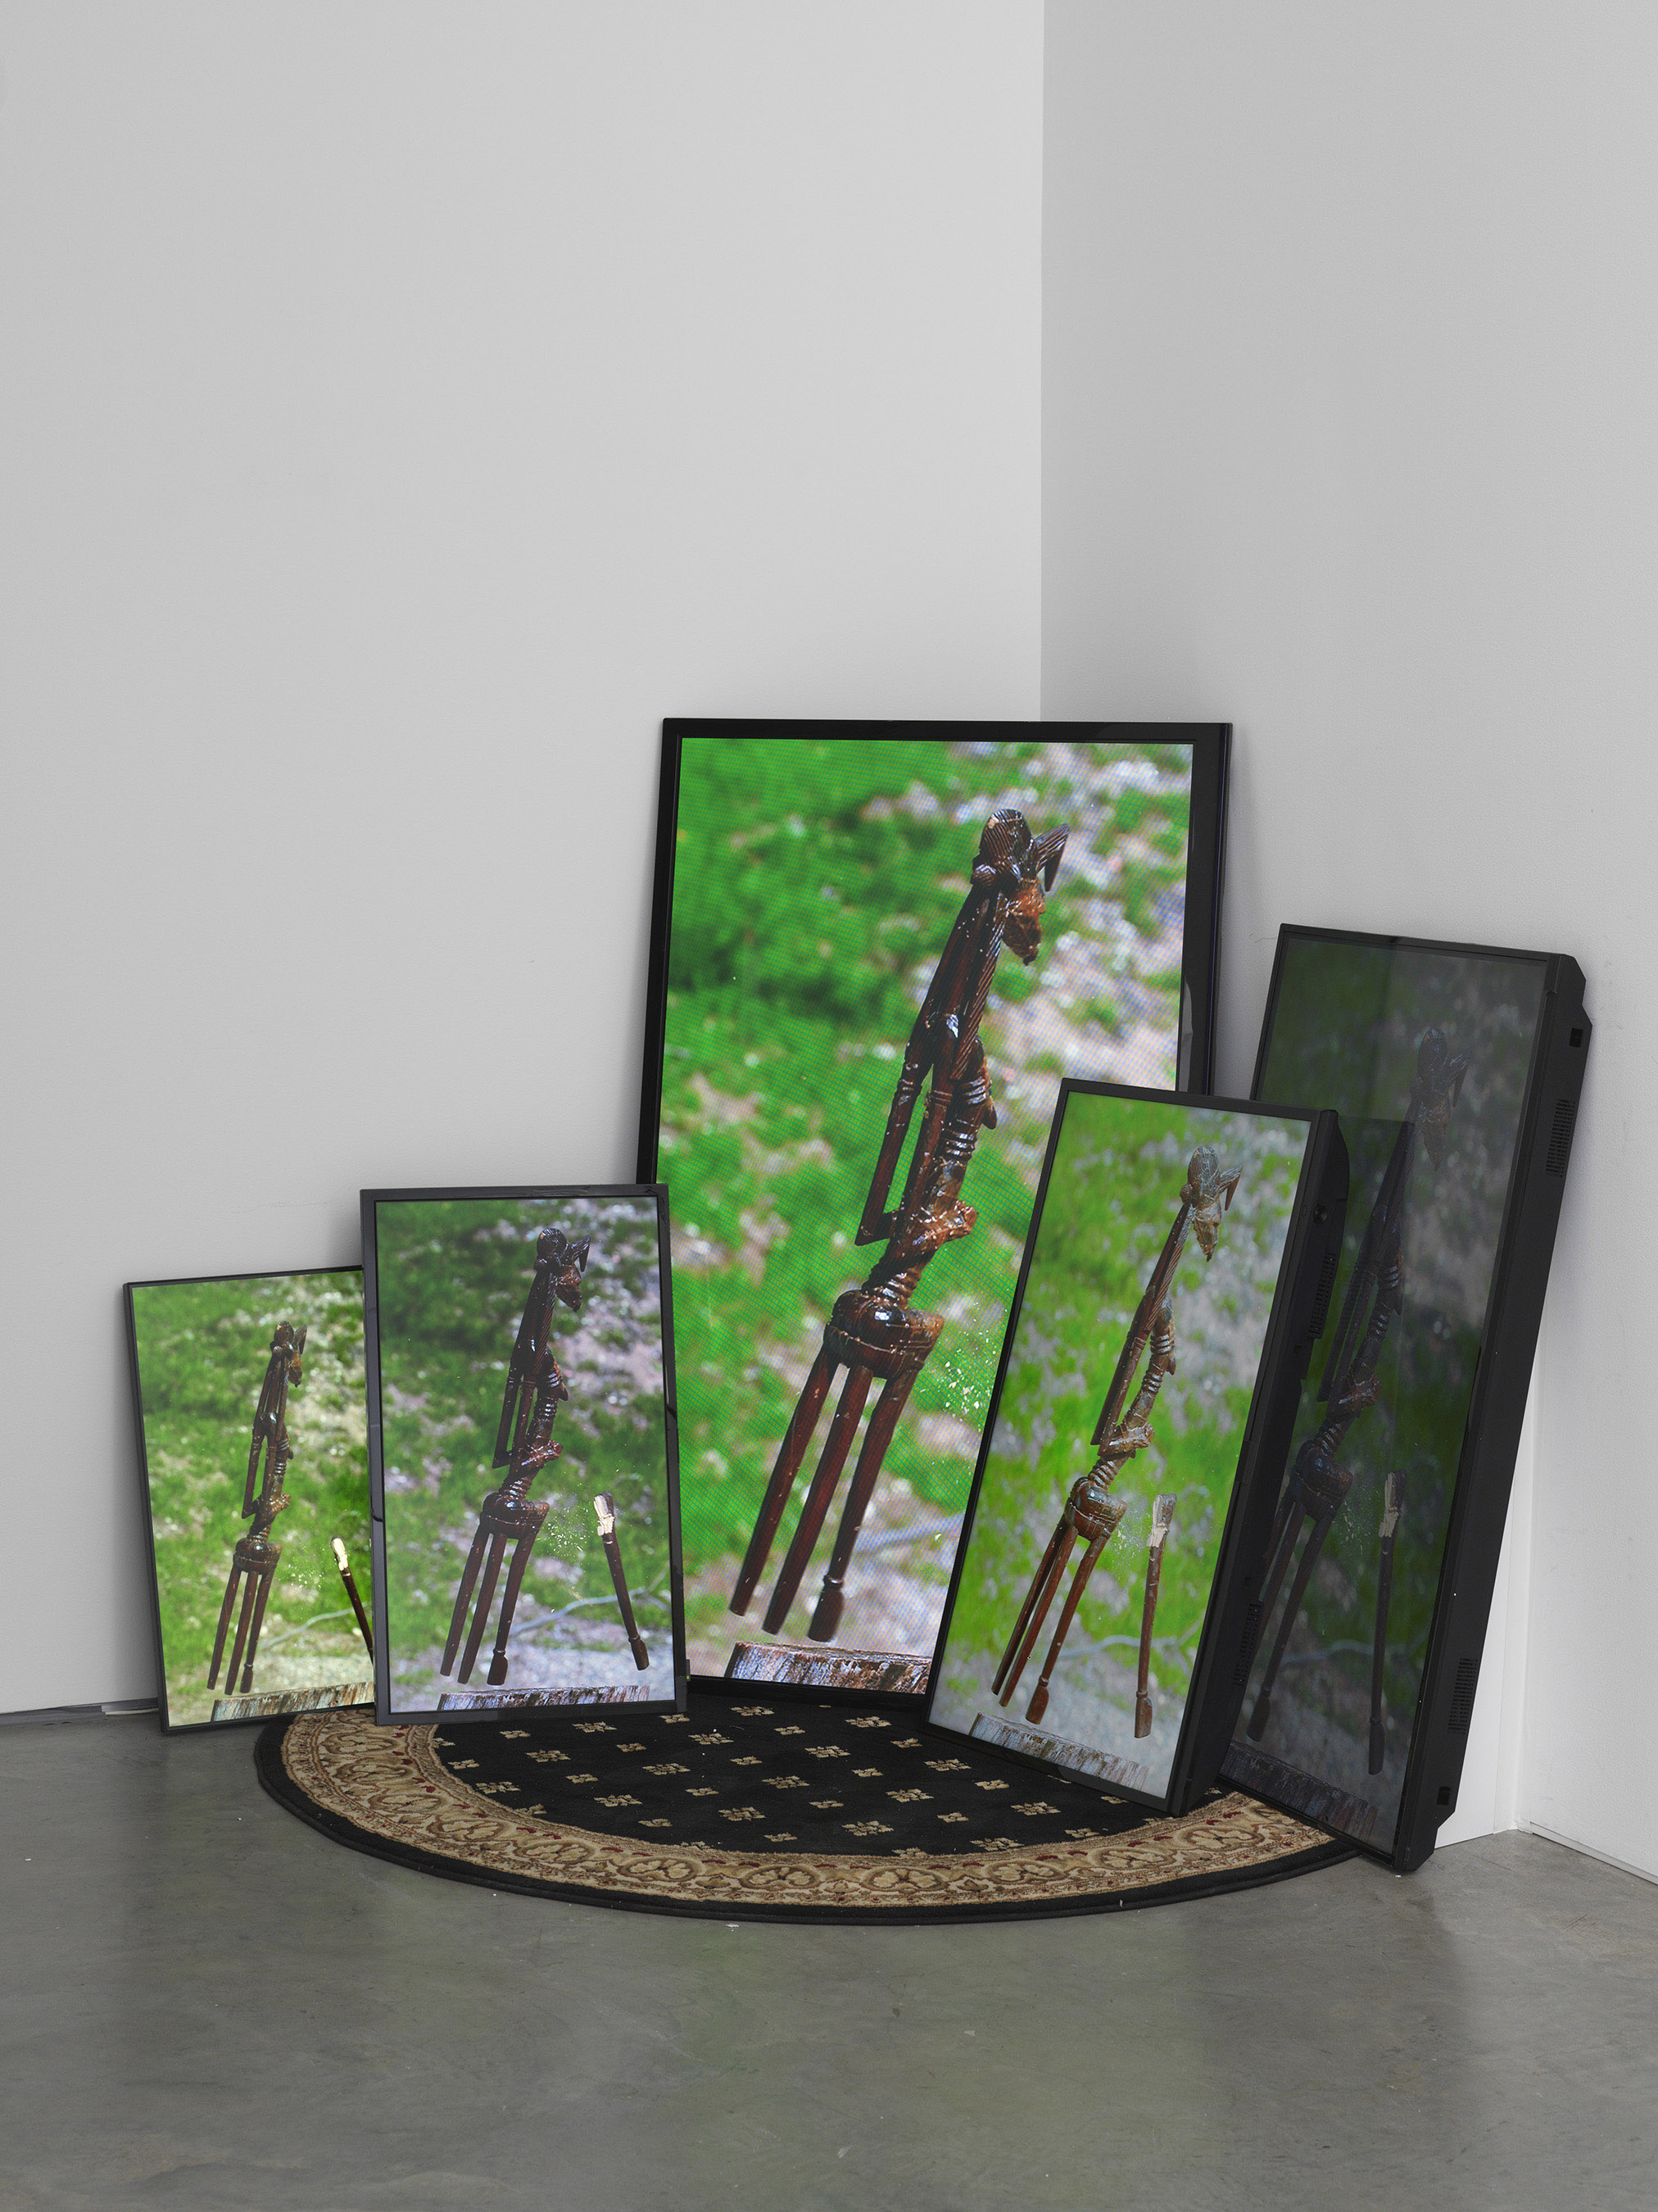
column 453, row 1277
column 1112, row 1198
column 202, row 1349
column 815, row 886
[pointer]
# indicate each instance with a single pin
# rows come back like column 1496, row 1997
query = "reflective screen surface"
column 816, row 887
column 455, row 1277
column 255, row 1616
column 1425, row 1055
column 1120, row 1169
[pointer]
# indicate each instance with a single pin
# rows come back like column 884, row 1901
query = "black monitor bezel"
column 168, row 1726
column 1237, row 1562
column 1211, row 748
column 1484, row 1469
column 370, row 1200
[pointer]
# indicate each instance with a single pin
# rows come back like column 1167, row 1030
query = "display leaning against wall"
column 521, row 1449
column 1178, row 1267
column 1457, row 1072
column 877, row 950
column 251, row 1439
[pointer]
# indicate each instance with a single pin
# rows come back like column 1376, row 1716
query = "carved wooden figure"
column 524, row 1445
column 1163, row 1518
column 263, row 1498
column 1317, row 1486
column 604, row 1507
column 872, row 1332
column 1089, row 1510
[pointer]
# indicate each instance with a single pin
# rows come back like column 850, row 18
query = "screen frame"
column 370, row 1202
column 1485, row 1467
column 1234, row 1559
column 1206, row 856
column 1211, row 747
column 168, row 1726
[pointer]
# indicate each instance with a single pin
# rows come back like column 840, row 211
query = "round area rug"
column 761, row 1811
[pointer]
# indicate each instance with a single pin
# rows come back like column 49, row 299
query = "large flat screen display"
column 879, row 948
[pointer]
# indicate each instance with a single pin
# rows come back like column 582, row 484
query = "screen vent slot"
column 1326, row 1283
column 1247, row 1649
column 1560, row 1138
column 1467, row 1674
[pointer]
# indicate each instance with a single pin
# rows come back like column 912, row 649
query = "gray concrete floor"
column 203, row 2004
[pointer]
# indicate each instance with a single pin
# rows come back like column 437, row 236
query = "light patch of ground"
column 283, row 1671
column 895, row 1594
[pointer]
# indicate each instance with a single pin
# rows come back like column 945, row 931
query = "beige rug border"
column 390, row 1783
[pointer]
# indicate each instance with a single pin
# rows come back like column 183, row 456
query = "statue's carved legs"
column 790, row 1454
column 1091, row 1515
column 868, row 1336
column 826, row 1616
column 1325, row 1503
column 821, row 1493
column 256, row 1557
column 1034, row 1611
column 502, row 1519
column 1091, row 1559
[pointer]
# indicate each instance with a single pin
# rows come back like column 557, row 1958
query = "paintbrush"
column 344, row 1565
column 1162, row 1520
column 604, row 1507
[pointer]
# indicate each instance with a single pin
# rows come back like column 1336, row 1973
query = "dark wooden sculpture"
column 1317, row 1485
column 1162, row 1519
column 1090, row 1511
column 604, row 1507
column 263, row 1498
column 524, row 1445
column 871, row 1331
column 343, row 1564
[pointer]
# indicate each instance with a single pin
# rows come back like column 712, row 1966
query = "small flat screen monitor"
column 249, row 1392
column 1177, row 1269
column 521, row 1450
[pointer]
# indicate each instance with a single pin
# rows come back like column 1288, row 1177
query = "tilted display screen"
column 1151, row 1376
column 879, row 948
column 250, row 1404
column 1456, row 1071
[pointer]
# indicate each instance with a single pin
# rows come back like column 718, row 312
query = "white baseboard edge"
column 1571, row 1843
column 119, row 1709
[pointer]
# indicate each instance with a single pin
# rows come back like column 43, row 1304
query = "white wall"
column 1351, row 367
column 403, row 408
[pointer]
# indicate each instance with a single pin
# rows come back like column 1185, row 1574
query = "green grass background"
column 815, row 886
column 453, row 1277
column 1110, row 1203
column 202, row 1349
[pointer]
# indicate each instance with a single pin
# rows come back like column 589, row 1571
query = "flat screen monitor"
column 1177, row 1274
column 521, row 1452
column 249, row 1396
column 1456, row 1071
column 868, row 938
